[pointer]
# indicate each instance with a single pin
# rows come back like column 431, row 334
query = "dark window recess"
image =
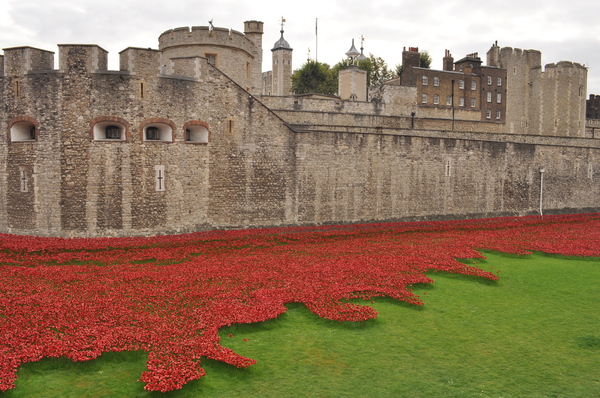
column 32, row 133
column 113, row 132
column 188, row 135
column 152, row 133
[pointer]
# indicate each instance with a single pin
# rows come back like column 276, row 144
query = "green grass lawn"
column 535, row 333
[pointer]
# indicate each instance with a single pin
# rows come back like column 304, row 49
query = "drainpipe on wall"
column 452, row 105
column 541, row 189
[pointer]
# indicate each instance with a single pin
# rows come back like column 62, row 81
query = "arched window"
column 196, row 132
column 22, row 131
column 157, row 130
column 109, row 128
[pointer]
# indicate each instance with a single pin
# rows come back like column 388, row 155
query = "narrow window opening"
column 448, row 168
column 590, row 171
column 159, row 178
column 24, row 179
column 141, row 90
column 229, row 126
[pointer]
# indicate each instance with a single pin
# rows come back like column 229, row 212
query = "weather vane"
column 282, row 22
column 210, row 23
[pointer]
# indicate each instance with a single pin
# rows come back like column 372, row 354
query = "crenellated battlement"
column 566, row 65
column 82, row 57
column 140, row 61
column 20, row 60
column 203, row 35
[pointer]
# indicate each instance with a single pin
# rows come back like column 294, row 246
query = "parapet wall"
column 202, row 35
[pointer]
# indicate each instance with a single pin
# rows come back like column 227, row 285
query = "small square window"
column 449, row 100
column 423, row 98
column 489, row 80
column 498, row 114
column 436, row 81
column 461, row 101
column 424, row 80
column 499, row 81
column 436, row 99
column 212, row 58
column 461, row 84
column 473, row 85
column 473, row 103
column 488, row 114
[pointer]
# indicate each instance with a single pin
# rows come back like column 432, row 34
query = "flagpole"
column 316, row 39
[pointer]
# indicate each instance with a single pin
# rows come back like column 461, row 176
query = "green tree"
column 424, row 59
column 314, row 77
column 376, row 68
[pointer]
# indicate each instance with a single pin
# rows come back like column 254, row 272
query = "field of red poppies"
column 169, row 295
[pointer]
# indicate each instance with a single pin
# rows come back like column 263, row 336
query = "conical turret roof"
column 281, row 44
column 353, row 52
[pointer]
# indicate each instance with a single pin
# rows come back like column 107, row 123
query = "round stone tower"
column 236, row 54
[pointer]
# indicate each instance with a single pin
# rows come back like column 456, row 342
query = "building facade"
column 180, row 139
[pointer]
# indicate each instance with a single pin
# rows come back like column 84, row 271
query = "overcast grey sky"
column 562, row 30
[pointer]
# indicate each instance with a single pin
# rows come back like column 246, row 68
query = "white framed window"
column 498, row 114
column 489, row 80
column 436, row 81
column 449, row 100
column 488, row 114
column 22, row 131
column 196, row 133
column 473, row 85
column 423, row 98
column 461, row 84
column 424, row 80
column 109, row 131
column 436, row 99
column 489, row 96
column 499, row 98
column 158, row 132
column 461, row 101
column 473, row 102
column 499, row 81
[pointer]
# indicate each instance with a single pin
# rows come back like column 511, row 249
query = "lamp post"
column 542, row 171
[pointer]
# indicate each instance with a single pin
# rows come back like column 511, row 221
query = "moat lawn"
column 533, row 333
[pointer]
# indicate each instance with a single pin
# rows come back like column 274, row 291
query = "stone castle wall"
column 238, row 55
column 81, row 186
column 265, row 161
